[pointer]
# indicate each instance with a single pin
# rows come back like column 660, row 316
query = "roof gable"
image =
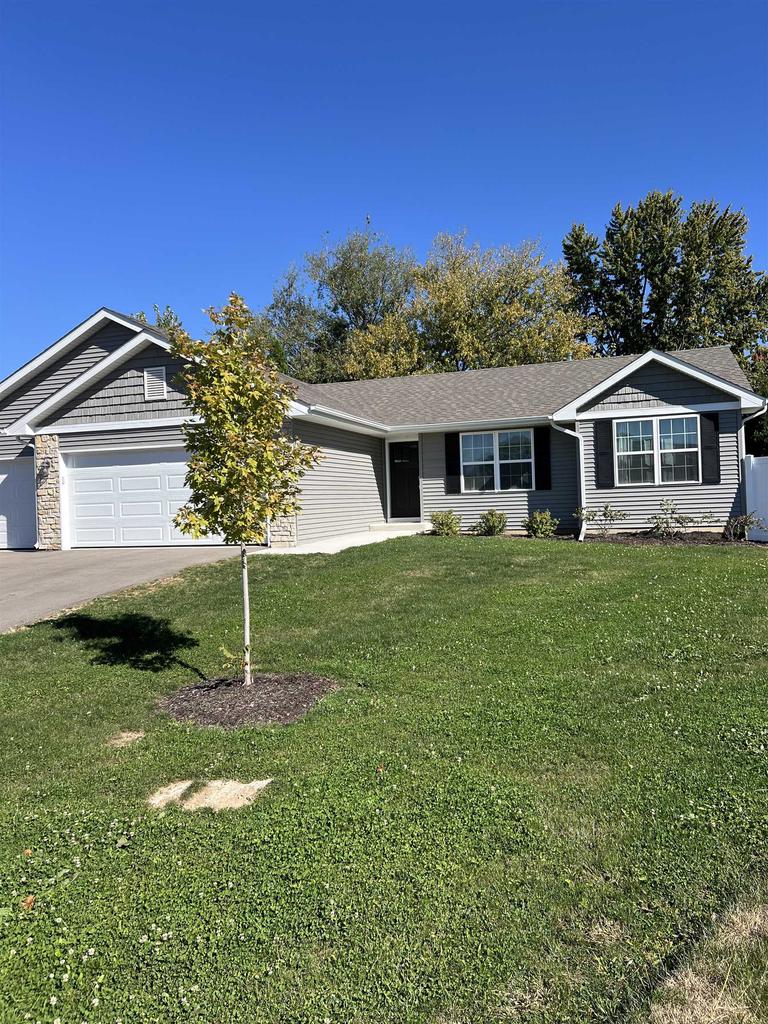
column 24, row 425
column 672, row 360
column 56, row 352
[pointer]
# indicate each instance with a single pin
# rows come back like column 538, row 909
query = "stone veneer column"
column 48, row 492
column 283, row 532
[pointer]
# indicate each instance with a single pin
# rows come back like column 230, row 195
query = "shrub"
column 604, row 518
column 671, row 522
column 738, row 527
column 541, row 524
column 446, row 524
column 491, row 523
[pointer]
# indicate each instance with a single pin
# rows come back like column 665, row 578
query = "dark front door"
column 404, row 480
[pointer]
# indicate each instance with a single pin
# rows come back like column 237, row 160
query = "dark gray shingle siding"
column 641, row 502
column 655, row 385
column 56, row 376
column 120, row 394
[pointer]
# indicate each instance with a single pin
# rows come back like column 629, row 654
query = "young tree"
column 664, row 279
column 244, row 468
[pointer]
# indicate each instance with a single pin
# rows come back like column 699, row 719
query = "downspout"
column 582, row 483
column 745, row 420
column 760, row 412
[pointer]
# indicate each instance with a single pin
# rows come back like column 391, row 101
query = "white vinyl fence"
column 756, row 481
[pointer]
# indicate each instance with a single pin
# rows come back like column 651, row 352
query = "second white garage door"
column 124, row 499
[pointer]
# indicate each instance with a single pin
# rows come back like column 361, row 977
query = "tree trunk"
column 246, row 618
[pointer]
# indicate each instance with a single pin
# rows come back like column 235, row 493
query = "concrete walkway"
column 332, row 545
column 36, row 585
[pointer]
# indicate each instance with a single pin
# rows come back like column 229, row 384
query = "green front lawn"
column 545, row 771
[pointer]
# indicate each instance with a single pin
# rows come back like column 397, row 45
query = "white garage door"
column 18, row 527
column 119, row 499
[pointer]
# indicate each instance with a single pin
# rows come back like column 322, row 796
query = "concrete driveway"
column 38, row 584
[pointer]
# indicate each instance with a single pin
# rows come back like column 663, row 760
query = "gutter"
column 754, row 415
column 582, row 482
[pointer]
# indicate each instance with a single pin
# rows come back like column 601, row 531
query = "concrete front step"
column 397, row 525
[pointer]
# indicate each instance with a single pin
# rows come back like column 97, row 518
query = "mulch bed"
column 684, row 539
column 270, row 700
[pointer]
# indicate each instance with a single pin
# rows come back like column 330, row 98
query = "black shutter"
column 710, row 448
column 542, row 458
column 604, row 454
column 452, row 464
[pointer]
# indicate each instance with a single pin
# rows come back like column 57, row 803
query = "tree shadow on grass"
column 139, row 641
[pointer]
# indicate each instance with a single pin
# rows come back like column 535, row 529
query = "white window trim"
column 160, row 378
column 657, row 450
column 497, row 461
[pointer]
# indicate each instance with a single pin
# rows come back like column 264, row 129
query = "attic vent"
column 154, row 384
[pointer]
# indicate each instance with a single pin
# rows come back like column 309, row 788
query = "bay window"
column 657, row 450
column 497, row 461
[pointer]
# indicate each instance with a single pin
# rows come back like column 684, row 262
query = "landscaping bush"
column 605, row 518
column 738, row 527
column 491, row 523
column 541, row 523
column 671, row 522
column 446, row 524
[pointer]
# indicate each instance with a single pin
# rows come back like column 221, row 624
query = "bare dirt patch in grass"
column 693, row 998
column 743, row 926
column 216, row 795
column 225, row 794
column 124, row 739
column 271, row 699
column 170, row 794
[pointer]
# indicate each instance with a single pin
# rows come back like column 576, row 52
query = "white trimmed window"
column 497, row 461
column 155, row 386
column 657, row 450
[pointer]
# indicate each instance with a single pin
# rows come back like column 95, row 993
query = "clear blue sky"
column 170, row 152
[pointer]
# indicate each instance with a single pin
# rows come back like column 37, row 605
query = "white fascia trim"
column 58, row 348
column 467, row 426
column 103, row 425
column 635, row 411
column 747, row 399
column 321, row 414
column 25, row 425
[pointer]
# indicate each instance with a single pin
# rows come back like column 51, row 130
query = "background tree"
column 351, row 286
column 664, row 279
column 243, row 469
column 479, row 307
column 363, row 309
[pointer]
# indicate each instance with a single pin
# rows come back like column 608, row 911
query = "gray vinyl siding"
column 54, row 377
column 117, row 439
column 562, row 500
column 346, row 491
column 656, row 385
column 120, row 394
column 642, row 502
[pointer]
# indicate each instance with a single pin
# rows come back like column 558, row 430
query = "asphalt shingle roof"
column 508, row 392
